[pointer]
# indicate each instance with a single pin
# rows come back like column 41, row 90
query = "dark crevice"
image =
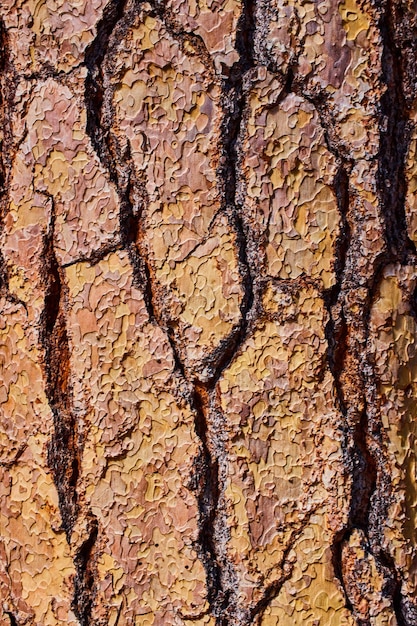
column 234, row 105
column 7, row 88
column 358, row 461
column 206, row 486
column 234, row 102
column 84, row 578
column 370, row 495
column 364, row 476
column 221, row 580
column 7, row 91
column 341, row 188
column 95, row 257
column 394, row 142
column 63, row 456
column 94, row 57
column 133, row 199
column 3, row 61
column 84, row 584
column 393, row 588
column 245, row 36
column 374, row 492
column 64, row 448
column 395, row 136
column 336, row 330
column 337, row 562
column 13, row 620
column 363, row 446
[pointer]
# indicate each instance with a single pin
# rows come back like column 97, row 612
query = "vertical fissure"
column 84, row 586
column 7, row 85
column 395, row 136
column 94, row 57
column 234, row 103
column 364, row 475
column 84, row 582
column 394, row 143
column 362, row 436
column 347, row 333
column 7, row 91
column 63, row 447
column 2, row 108
column 370, row 484
column 214, row 528
column 133, row 200
column 358, row 461
column 206, row 484
column 12, row 618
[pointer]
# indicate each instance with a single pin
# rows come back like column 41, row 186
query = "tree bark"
column 208, row 322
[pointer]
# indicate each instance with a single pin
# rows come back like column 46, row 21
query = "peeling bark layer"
column 208, row 337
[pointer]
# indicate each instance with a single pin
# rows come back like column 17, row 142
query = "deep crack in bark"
column 3, row 116
column 64, row 448
column 131, row 193
column 133, row 203
column 7, row 87
column 224, row 603
column 370, row 484
column 362, row 452
column 395, row 138
column 206, row 483
column 85, row 574
column 12, row 618
column 63, row 455
column 394, row 143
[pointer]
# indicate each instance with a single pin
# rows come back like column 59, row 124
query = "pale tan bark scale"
column 56, row 160
column 138, row 453
column 411, row 180
column 172, row 127
column 285, row 464
column 288, row 172
column 35, row 552
column 215, row 22
column 50, row 33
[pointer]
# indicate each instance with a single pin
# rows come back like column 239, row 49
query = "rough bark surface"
column 208, row 325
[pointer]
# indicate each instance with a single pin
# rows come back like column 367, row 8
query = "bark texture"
column 208, row 312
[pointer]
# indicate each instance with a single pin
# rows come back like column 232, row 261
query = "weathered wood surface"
column 208, row 335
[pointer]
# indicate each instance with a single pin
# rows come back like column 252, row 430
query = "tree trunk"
column 208, row 322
